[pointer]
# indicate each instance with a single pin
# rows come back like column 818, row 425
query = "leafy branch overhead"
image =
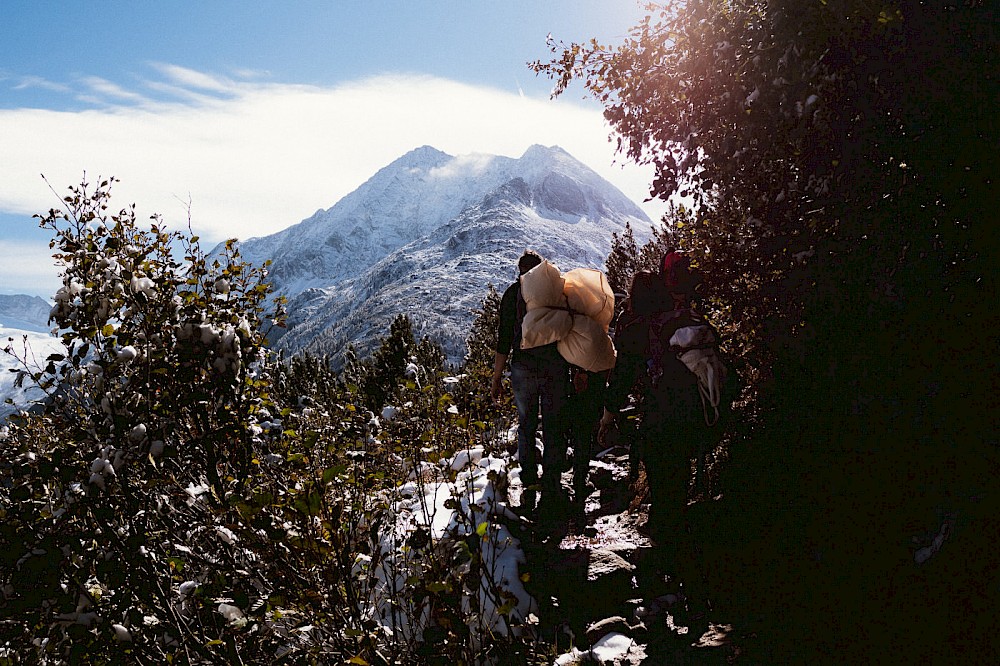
column 803, row 132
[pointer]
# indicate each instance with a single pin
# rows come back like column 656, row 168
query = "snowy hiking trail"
column 584, row 580
column 606, row 589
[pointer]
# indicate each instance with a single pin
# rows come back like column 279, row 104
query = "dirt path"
column 593, row 573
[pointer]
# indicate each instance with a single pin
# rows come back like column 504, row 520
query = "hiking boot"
column 659, row 532
column 527, row 505
column 647, row 530
column 697, row 618
column 553, row 506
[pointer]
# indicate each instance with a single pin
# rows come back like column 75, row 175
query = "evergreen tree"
column 477, row 368
column 354, row 369
column 387, row 363
column 621, row 263
column 429, row 356
column 482, row 340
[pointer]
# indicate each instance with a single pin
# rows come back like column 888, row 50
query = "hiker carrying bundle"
column 539, row 377
column 574, row 309
column 668, row 355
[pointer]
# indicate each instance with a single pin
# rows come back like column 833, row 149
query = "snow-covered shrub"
column 403, row 516
column 116, row 493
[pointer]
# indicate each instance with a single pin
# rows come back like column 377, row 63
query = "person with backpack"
column 539, row 378
column 675, row 414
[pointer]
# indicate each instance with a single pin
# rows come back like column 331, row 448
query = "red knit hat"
column 675, row 270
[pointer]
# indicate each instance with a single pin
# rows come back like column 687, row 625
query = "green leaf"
column 481, row 529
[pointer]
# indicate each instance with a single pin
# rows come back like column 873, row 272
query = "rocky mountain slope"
column 427, row 235
column 28, row 313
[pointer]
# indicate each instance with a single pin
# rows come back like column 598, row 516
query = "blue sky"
column 256, row 114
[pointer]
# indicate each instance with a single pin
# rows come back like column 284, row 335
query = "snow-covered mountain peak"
column 549, row 157
column 421, row 158
column 427, row 234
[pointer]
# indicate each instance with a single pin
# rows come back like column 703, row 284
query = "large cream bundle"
column 542, row 286
column 544, row 325
column 548, row 318
column 588, row 345
column 573, row 310
column 588, row 292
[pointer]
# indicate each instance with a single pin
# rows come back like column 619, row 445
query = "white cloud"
column 27, row 268
column 255, row 158
column 183, row 76
column 29, row 82
column 475, row 163
column 103, row 89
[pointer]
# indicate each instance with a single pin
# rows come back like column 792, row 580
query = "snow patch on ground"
column 463, row 496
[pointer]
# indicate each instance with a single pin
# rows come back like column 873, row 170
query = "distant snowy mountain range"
column 29, row 313
column 23, row 319
column 427, row 235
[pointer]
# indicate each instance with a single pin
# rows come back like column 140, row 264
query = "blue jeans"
column 540, row 382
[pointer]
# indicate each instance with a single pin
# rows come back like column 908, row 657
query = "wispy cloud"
column 184, row 77
column 28, row 82
column 254, row 158
column 99, row 89
column 251, row 74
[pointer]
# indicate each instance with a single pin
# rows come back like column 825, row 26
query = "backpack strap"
column 655, row 346
column 521, row 309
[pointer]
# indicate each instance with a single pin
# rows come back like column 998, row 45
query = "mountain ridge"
column 20, row 311
column 426, row 236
